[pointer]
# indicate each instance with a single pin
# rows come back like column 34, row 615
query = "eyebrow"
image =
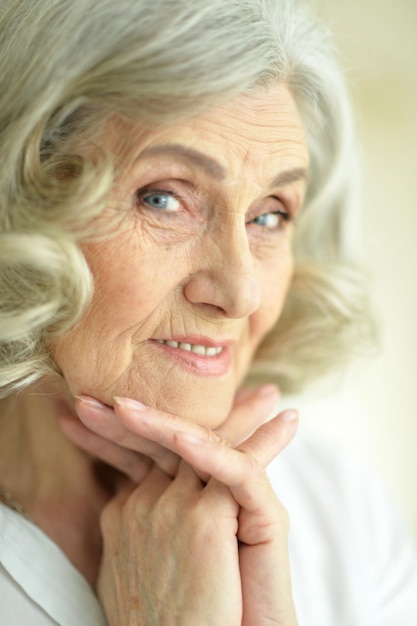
column 214, row 168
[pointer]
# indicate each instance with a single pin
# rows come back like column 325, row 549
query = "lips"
column 200, row 349
column 199, row 355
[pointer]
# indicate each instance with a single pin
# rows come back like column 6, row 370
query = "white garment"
column 353, row 562
column 38, row 584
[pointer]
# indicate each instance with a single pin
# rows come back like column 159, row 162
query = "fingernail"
column 92, row 402
column 128, row 403
column 289, row 415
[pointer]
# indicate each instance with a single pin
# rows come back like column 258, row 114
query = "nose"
column 226, row 278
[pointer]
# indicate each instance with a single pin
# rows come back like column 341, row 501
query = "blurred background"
column 375, row 412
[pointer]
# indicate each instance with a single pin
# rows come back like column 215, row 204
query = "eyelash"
column 141, row 196
column 282, row 214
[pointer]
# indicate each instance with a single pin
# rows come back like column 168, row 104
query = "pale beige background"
column 375, row 413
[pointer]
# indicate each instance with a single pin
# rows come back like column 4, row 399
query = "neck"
column 54, row 482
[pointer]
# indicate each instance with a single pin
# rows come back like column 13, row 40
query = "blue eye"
column 271, row 221
column 160, row 200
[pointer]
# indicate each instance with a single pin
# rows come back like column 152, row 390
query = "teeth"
column 199, row 350
column 189, row 347
column 212, row 351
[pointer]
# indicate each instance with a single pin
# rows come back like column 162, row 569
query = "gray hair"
column 66, row 66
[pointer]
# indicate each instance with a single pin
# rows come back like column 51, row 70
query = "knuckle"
column 114, row 513
column 281, row 519
column 254, row 469
column 213, row 436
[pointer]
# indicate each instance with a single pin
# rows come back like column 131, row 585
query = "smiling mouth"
column 210, row 351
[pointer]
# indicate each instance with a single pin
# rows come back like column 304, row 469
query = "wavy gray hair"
column 66, row 66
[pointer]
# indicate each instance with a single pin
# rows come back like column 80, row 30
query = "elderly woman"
column 176, row 206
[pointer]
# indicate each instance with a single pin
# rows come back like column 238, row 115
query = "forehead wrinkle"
column 255, row 162
column 246, row 156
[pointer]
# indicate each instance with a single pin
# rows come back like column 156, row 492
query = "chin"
column 205, row 410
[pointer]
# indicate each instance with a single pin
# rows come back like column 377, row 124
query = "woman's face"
column 199, row 272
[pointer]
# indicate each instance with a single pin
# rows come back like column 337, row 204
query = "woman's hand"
column 185, row 533
column 237, row 474
column 103, row 436
column 170, row 554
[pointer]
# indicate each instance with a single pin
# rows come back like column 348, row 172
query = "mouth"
column 199, row 355
column 210, row 351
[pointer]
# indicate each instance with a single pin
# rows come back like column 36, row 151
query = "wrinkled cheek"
column 70, row 356
column 86, row 361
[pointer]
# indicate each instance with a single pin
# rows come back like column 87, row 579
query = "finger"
column 227, row 464
column 101, row 420
column 272, row 437
column 157, row 426
column 150, row 490
column 187, row 480
column 111, row 513
column 242, row 469
column 252, row 408
column 159, row 429
column 160, row 426
column 134, row 499
column 123, row 488
column 207, row 451
column 132, row 464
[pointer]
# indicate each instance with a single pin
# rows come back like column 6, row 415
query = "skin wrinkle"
column 212, row 167
column 292, row 194
column 204, row 268
column 165, row 380
column 288, row 133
